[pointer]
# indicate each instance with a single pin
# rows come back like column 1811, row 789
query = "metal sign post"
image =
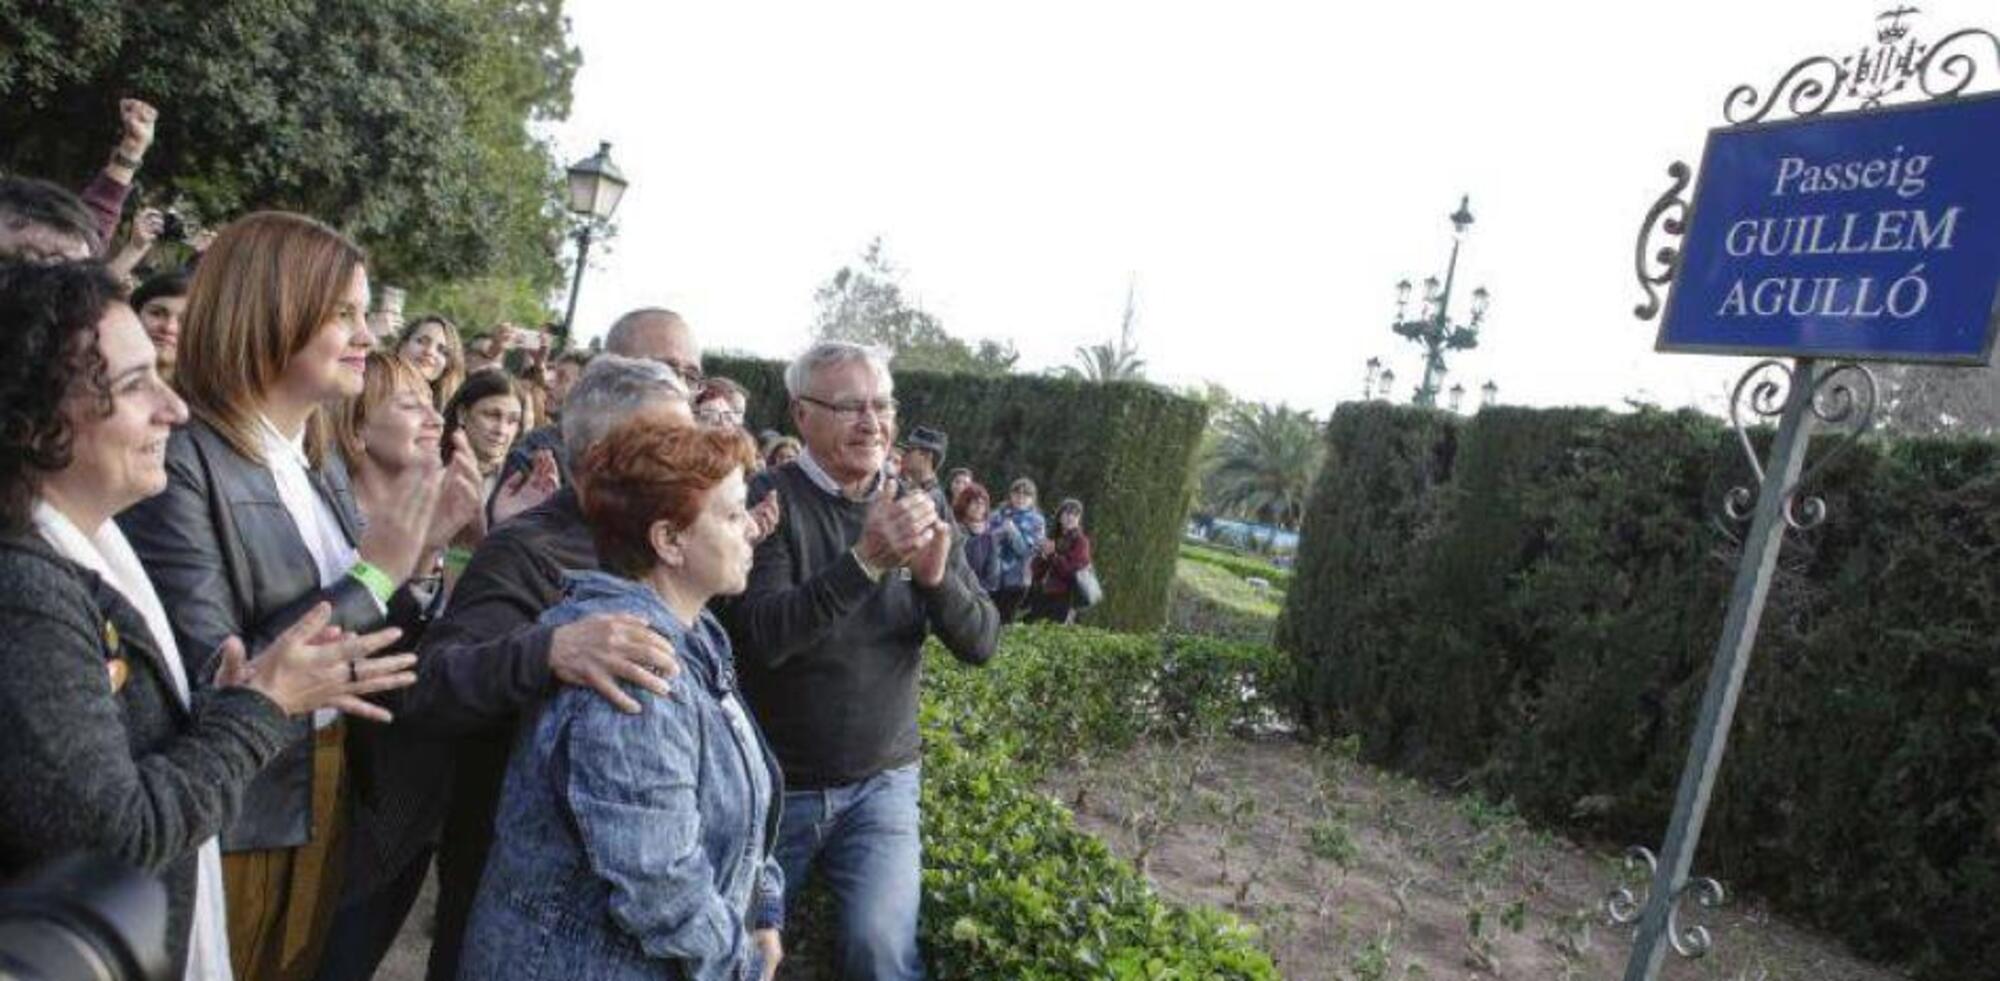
column 1793, row 224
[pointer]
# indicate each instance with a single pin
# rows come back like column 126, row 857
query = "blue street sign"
column 1867, row 235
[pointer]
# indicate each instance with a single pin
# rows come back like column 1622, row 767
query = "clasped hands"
column 904, row 531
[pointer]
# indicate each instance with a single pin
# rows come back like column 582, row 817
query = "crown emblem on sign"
column 1891, row 28
column 1886, row 67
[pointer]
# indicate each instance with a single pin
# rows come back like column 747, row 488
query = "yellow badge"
column 120, row 671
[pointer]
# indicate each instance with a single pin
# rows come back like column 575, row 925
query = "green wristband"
column 457, row 558
column 377, row 581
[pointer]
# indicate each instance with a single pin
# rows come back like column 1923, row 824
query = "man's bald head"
column 656, row 334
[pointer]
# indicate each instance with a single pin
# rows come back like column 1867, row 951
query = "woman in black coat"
column 258, row 523
column 107, row 749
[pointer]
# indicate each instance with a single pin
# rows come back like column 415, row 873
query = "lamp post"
column 595, row 185
column 1457, row 393
column 1388, row 389
column 1432, row 327
column 1368, row 383
column 1489, row 394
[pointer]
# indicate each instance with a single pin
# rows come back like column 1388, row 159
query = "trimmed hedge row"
column 1529, row 602
column 1242, row 566
column 1012, row 887
column 1123, row 449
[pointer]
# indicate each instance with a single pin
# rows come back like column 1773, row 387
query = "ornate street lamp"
column 1368, row 383
column 595, row 187
column 1489, row 394
column 1388, row 389
column 1433, row 328
column 1457, row 394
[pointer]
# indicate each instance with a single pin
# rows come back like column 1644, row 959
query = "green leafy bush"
column 1012, row 888
column 1528, row 602
column 1124, row 449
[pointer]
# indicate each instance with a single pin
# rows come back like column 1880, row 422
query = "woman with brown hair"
column 431, row 345
column 488, row 410
column 258, row 523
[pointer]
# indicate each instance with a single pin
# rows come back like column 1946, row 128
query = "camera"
column 84, row 918
column 174, row 227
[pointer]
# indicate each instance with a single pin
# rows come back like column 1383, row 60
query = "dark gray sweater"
column 128, row 773
column 831, row 660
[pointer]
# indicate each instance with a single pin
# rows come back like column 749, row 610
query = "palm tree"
column 1263, row 463
column 1113, row 360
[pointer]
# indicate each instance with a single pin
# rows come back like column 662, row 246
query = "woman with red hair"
column 640, row 845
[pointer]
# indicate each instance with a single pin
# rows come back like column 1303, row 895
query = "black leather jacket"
column 227, row 560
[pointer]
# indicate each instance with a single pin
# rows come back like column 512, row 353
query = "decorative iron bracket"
column 1668, row 215
column 1624, row 908
column 1843, row 396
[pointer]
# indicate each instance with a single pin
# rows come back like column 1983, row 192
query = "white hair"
column 611, row 388
column 828, row 353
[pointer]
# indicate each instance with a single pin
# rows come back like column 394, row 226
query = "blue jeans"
column 863, row 837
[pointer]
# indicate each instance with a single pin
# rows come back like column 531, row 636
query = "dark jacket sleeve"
column 488, row 658
column 175, row 535
column 960, row 613
column 72, row 779
column 776, row 618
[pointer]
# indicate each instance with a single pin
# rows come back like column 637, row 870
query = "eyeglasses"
column 853, row 408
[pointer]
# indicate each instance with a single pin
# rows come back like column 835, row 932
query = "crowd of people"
column 306, row 599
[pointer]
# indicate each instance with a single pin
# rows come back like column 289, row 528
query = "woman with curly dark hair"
column 110, row 749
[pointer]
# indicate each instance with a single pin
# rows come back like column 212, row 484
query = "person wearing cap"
column 921, row 460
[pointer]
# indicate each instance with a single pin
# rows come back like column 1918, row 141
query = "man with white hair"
column 829, row 640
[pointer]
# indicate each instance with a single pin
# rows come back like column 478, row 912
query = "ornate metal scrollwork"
column 1621, row 905
column 1625, row 908
column 1694, row 941
column 1668, row 215
column 1948, row 70
column 1814, row 84
column 1843, row 396
column 1872, row 75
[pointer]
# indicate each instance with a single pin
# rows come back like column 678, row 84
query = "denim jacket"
column 624, row 841
column 1019, row 533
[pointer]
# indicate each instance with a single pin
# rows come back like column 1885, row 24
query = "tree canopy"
column 866, row 305
column 404, row 124
column 1262, row 463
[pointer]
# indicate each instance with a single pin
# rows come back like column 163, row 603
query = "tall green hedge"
column 1123, row 449
column 1528, row 602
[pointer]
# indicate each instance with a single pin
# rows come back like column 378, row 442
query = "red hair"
column 970, row 494
column 648, row 470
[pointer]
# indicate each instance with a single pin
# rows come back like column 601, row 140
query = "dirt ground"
column 1358, row 875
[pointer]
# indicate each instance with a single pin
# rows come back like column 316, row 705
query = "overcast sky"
column 1265, row 171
